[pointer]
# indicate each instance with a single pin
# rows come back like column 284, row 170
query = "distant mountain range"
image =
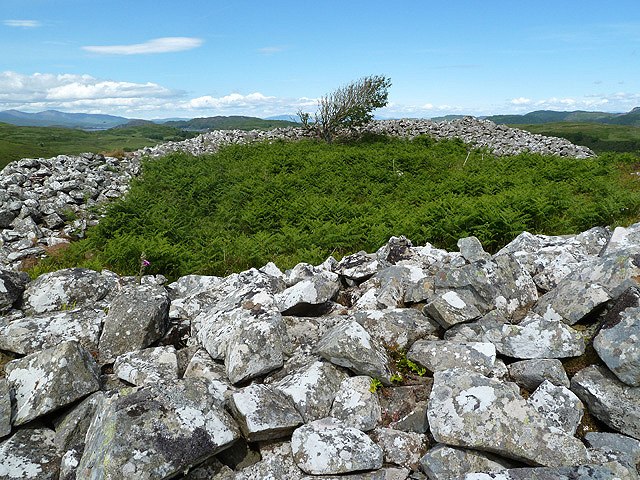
column 88, row 121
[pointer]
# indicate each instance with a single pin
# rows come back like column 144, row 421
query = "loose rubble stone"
column 71, row 427
column 327, row 447
column 5, row 408
column 38, row 332
column 155, row 432
column 150, row 365
column 531, row 373
column 45, row 381
column 537, row 337
column 443, row 354
column 451, row 308
column 277, row 463
column 583, row 472
column 70, row 288
column 356, row 405
column 443, row 462
column 138, row 316
column 29, row 453
column 405, row 408
column 264, row 413
column 12, row 285
column 313, row 389
column 608, row 399
column 401, row 448
column 618, row 345
column 614, row 447
column 350, row 345
column 559, row 406
column 316, row 290
column 467, row 409
column 571, row 301
column 399, row 327
column 471, row 249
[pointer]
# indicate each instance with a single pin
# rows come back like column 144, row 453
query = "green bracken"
column 289, row 202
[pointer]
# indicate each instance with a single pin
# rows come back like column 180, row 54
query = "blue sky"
column 155, row 59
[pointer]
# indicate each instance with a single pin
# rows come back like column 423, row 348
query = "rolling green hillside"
column 21, row 142
column 598, row 137
column 578, row 116
column 229, row 123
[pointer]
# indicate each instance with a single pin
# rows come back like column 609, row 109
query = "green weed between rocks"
column 289, row 202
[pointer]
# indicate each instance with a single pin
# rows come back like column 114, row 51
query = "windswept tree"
column 347, row 107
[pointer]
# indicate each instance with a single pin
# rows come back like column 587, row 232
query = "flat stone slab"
column 39, row 332
column 437, row 355
column 537, row 337
column 155, row 432
column 149, row 365
column 467, row 409
column 559, row 406
column 356, row 405
column 264, row 413
column 608, row 399
column 327, row 447
column 618, row 345
column 531, row 373
column 571, row 301
column 443, row 462
column 45, row 381
column 30, row 453
column 349, row 345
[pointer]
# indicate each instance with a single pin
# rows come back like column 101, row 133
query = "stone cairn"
column 408, row 363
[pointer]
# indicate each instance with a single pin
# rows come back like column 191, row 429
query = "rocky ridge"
column 46, row 202
column 410, row 362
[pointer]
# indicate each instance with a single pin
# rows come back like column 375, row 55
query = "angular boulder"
column 138, row 316
column 155, row 432
column 571, row 301
column 356, row 405
column 30, row 453
column 443, row 462
column 327, row 447
column 45, row 381
column 559, row 406
column 404, row 449
column 436, row 355
column 531, row 373
column 149, row 365
column 618, row 345
column 318, row 289
column 396, row 326
column 12, row 284
column 5, row 408
column 467, row 409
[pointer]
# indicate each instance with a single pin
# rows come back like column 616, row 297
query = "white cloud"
column 231, row 100
column 520, row 101
column 157, row 45
column 22, row 23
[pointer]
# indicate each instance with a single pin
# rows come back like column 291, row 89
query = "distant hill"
column 287, row 118
column 54, row 118
column 229, row 123
column 578, row 116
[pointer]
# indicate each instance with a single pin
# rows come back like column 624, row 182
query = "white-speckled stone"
column 356, row 405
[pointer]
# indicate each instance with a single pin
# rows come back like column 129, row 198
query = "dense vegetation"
column 600, row 138
column 303, row 201
column 22, row 142
column 234, row 122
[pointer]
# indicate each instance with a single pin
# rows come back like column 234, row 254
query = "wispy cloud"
column 271, row 50
column 520, row 101
column 22, row 23
column 156, row 45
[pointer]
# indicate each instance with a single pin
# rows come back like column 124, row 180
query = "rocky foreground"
column 520, row 365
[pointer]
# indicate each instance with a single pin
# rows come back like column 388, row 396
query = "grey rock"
column 385, row 473
column 531, row 373
column 71, row 428
column 255, row 347
column 68, row 464
column 277, row 463
column 615, row 272
column 316, row 290
column 303, row 333
column 5, row 408
column 561, row 408
column 436, row 355
column 30, row 453
column 138, row 316
column 537, row 337
column 582, row 472
column 451, row 308
column 12, row 285
column 150, row 365
column 358, row 266
column 356, row 405
column 399, row 327
column 405, row 408
column 264, row 413
column 326, row 447
column 608, row 399
column 155, row 432
column 474, row 331
column 404, row 449
column 467, row 409
column 349, row 345
column 623, row 241
column 614, row 447
column 571, row 301
column 70, row 288
column 386, row 289
column 618, row 345
column 313, row 389
column 471, row 249
column 443, row 462
column 38, row 332
column 45, row 381
column 202, row 365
